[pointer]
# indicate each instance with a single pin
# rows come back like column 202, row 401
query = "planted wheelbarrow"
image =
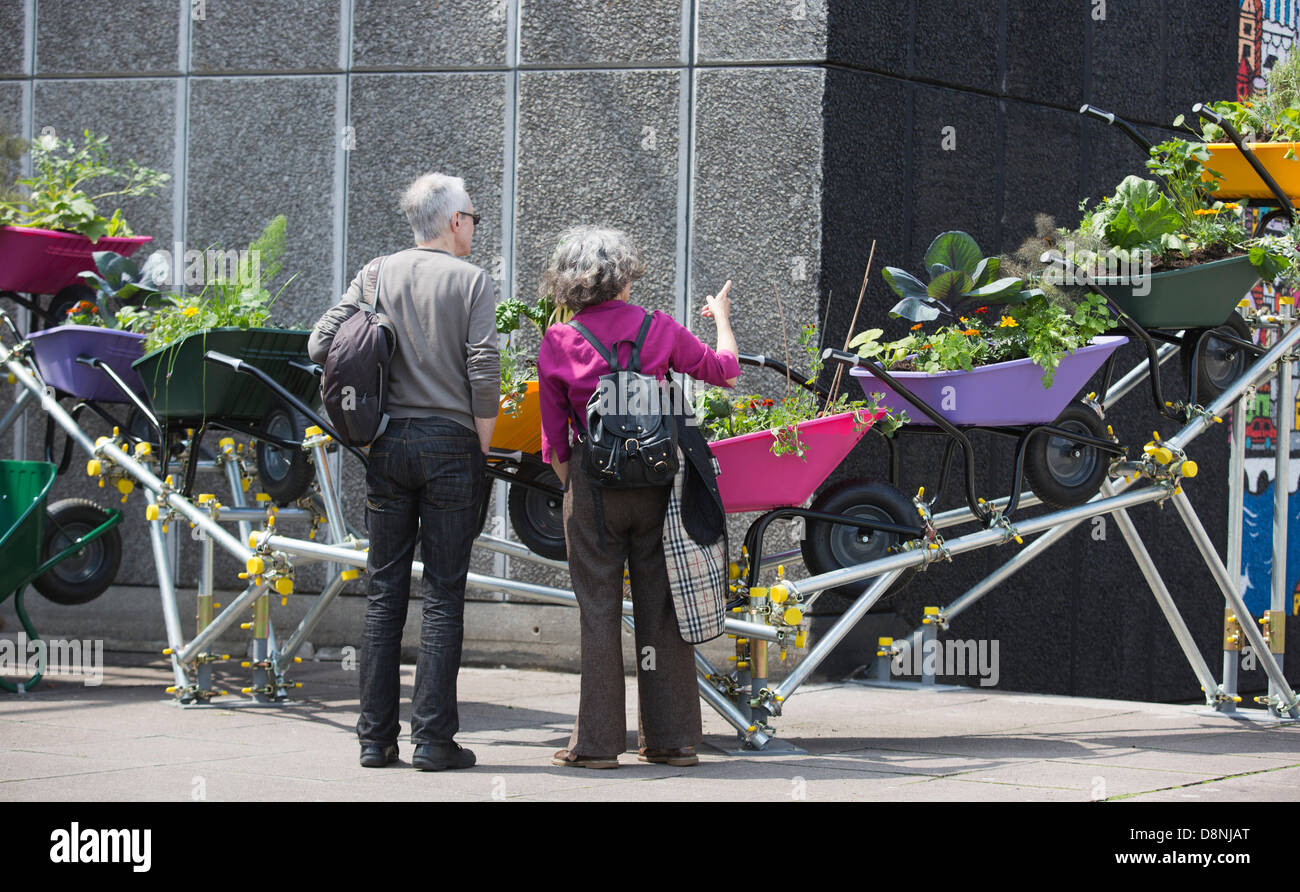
column 1201, row 296
column 521, row 431
column 182, row 387
column 43, row 261
column 753, row 479
column 56, row 350
column 1001, row 394
column 24, row 486
column 1239, row 180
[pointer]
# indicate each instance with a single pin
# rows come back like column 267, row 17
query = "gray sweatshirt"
column 444, row 311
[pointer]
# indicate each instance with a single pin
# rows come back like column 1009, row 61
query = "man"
column 426, row 470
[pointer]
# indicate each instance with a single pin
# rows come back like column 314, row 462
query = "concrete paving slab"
column 1282, row 785
column 121, row 741
column 1215, row 764
column 1090, row 781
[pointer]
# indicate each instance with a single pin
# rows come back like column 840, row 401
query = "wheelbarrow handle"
column 289, row 399
column 1129, row 130
column 96, row 363
column 763, row 361
column 9, row 322
column 830, row 354
column 1252, row 159
column 222, row 359
column 311, row 368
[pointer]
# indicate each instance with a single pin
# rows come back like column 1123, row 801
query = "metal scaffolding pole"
column 1286, row 700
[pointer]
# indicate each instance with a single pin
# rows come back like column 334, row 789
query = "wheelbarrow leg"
column 23, row 687
column 171, row 617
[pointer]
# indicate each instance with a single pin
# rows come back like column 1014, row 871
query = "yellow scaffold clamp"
column 934, row 617
column 1009, row 533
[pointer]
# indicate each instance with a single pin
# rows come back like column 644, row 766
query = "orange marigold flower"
column 916, row 326
column 1231, row 206
column 970, row 332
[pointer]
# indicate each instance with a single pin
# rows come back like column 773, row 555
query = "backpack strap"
column 611, row 359
column 370, row 284
column 610, row 355
column 634, row 361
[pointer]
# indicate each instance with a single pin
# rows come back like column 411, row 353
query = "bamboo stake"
column 785, row 340
column 839, row 371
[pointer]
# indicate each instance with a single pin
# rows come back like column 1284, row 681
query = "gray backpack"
column 354, row 385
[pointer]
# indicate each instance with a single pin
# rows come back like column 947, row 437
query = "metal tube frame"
column 1224, row 696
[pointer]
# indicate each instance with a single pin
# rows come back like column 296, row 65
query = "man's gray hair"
column 590, row 265
column 429, row 203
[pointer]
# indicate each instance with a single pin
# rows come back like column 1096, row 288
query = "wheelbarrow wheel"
column 1220, row 362
column 285, row 475
column 67, row 298
column 1062, row 472
column 85, row 575
column 830, row 546
column 538, row 517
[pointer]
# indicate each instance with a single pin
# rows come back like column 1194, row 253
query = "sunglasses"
column 477, row 218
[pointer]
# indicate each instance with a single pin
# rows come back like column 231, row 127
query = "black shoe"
column 441, row 756
column 375, row 756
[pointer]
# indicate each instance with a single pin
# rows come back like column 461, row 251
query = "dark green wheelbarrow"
column 23, row 488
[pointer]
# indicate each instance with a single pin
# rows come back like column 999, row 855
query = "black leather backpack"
column 631, row 431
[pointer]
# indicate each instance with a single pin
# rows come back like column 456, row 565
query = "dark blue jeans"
column 425, row 483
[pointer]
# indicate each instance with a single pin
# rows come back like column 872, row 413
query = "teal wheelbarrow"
column 23, row 488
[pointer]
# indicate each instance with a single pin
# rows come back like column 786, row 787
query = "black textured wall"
column 1009, row 77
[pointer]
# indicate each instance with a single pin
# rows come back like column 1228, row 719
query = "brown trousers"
column 669, row 706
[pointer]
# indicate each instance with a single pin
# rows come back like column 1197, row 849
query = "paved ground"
column 121, row 741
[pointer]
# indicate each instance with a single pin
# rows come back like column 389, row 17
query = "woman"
column 591, row 274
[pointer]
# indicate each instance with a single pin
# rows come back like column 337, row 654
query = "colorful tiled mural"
column 1265, row 36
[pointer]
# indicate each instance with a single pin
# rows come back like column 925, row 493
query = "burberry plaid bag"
column 697, row 574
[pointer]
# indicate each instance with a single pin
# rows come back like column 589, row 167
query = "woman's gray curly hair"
column 590, row 266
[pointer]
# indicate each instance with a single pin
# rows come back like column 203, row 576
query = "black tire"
column 1220, row 363
column 284, row 475
column 827, row 546
column 67, row 297
column 84, row 575
column 1062, row 472
column 538, row 517
column 139, row 427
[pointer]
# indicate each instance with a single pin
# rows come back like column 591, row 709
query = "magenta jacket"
column 568, row 368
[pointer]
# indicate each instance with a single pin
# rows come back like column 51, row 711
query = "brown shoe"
column 681, row 757
column 566, row 759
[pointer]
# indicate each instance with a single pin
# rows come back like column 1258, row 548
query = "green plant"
column 722, row 416
column 238, row 301
column 517, row 367
column 124, row 293
column 56, row 198
column 1144, row 223
column 1038, row 328
column 960, row 274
